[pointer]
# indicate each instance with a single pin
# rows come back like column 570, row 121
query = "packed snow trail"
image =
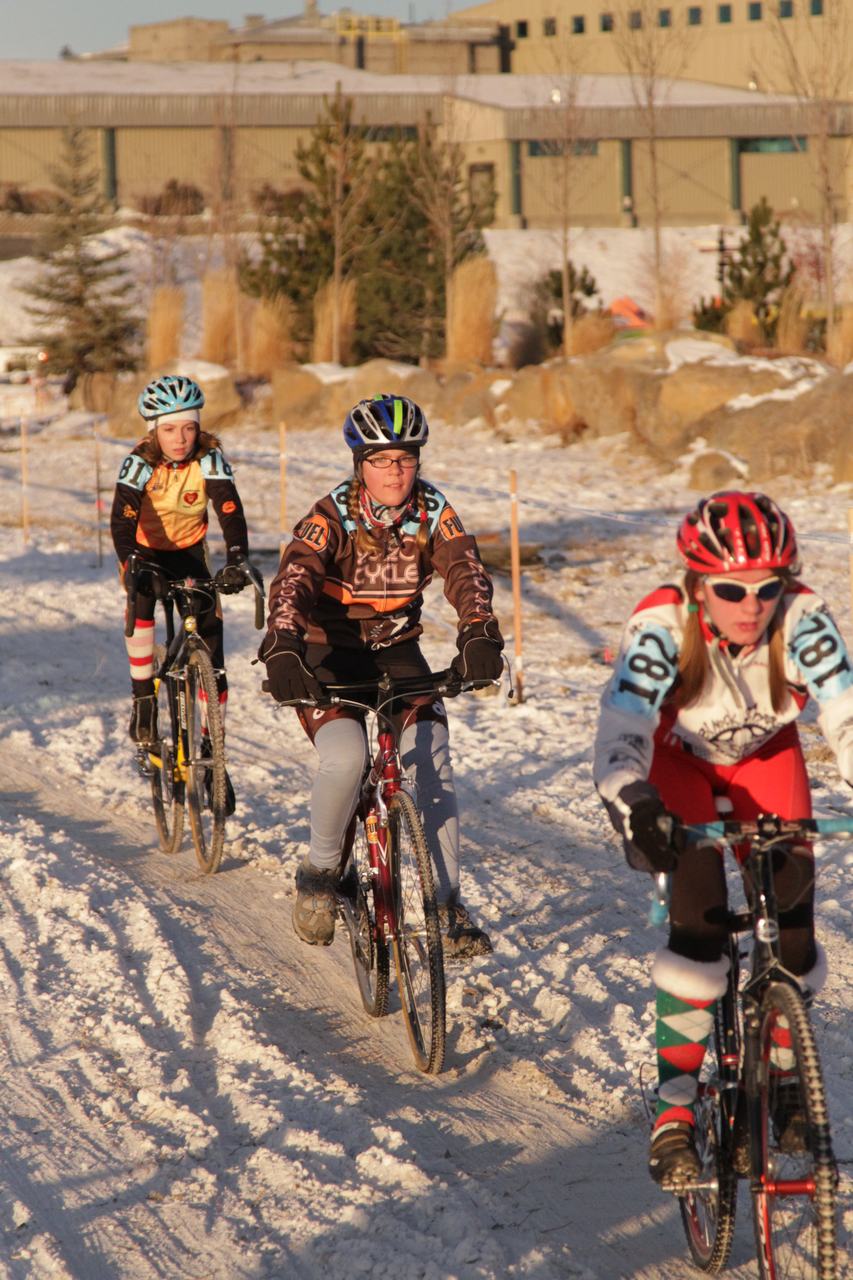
column 188, row 1090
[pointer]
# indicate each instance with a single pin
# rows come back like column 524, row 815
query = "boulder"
column 712, row 469
column 788, row 437
column 296, row 395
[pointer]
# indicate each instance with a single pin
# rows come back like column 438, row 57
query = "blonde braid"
column 364, row 541
column 422, row 536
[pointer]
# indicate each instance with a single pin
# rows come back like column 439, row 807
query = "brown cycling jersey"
column 329, row 592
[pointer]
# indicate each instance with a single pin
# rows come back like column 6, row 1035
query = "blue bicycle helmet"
column 385, row 420
column 169, row 394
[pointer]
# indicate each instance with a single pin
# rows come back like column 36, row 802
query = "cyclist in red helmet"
column 699, row 719
column 345, row 605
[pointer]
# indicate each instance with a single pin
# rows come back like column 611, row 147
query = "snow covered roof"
column 104, row 94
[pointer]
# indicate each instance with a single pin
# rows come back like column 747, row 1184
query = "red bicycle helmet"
column 732, row 530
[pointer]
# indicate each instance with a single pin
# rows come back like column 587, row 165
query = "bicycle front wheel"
column 369, row 948
column 418, row 955
column 167, row 786
column 793, row 1196
column 206, row 788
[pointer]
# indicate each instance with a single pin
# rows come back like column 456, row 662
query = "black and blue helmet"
column 384, row 421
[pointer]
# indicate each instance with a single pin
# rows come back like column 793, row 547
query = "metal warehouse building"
column 229, row 128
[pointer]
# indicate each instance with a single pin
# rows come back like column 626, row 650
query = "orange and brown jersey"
column 331, row 592
column 163, row 506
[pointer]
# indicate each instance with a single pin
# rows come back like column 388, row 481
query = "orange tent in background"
column 628, row 314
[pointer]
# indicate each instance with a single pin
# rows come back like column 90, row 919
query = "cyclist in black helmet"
column 345, row 605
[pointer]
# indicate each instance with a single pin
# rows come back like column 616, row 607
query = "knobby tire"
column 370, row 954
column 207, row 812
column 168, row 792
column 418, row 956
column 708, row 1216
column 795, row 1234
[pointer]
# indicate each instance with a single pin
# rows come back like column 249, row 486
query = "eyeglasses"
column 408, row 463
column 766, row 590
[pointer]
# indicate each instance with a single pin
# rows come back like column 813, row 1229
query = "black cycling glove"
column 479, row 657
column 643, row 820
column 289, row 676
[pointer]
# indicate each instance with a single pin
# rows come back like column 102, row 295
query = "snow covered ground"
column 185, row 1089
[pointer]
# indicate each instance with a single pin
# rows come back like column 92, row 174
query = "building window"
column 786, row 8
column 816, row 8
column 606, row 21
column 694, row 16
column 664, row 17
column 635, row 20
column 724, row 13
column 753, row 11
column 549, row 26
column 521, row 30
column 771, row 146
column 539, row 148
column 578, row 24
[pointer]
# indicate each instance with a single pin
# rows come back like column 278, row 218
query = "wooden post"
column 98, row 492
column 850, row 531
column 25, row 504
column 515, row 561
column 282, row 486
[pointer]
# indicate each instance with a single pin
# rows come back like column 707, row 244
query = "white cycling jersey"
column 733, row 716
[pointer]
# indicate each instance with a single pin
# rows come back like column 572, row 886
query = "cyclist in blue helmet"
column 345, row 605
column 160, row 513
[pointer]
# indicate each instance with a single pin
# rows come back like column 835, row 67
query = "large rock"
column 297, row 394
column 788, row 437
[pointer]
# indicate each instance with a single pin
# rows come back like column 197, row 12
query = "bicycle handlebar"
column 767, row 826
column 445, row 683
column 169, row 588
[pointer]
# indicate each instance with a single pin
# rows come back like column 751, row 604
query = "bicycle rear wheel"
column 168, row 791
column 370, row 955
column 418, row 955
column 793, row 1197
column 206, row 789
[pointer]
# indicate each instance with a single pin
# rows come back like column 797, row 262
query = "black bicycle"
column 186, row 765
column 761, row 1110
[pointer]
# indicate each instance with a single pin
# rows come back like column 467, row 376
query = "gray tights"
column 425, row 753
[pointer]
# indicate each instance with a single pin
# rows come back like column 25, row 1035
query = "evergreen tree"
column 330, row 227
column 547, row 303
column 756, row 271
column 86, row 321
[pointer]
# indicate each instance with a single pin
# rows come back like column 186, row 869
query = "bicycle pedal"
column 143, row 763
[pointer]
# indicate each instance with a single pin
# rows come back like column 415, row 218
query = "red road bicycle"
column 386, row 896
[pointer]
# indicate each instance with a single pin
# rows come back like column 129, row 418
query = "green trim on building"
column 515, row 179
column 108, row 139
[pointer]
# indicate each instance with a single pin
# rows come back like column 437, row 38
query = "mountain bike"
column 186, row 766
column 761, row 1110
column 386, row 893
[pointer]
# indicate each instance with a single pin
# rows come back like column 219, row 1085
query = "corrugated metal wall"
column 787, row 182
column 693, row 175
column 595, row 190
column 28, row 155
column 147, row 158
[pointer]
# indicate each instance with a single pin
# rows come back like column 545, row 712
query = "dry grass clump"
column 324, row 322
column 270, row 342
column 219, row 316
column 474, row 287
column 792, row 327
column 591, row 332
column 742, row 324
column 840, row 349
column 164, row 326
